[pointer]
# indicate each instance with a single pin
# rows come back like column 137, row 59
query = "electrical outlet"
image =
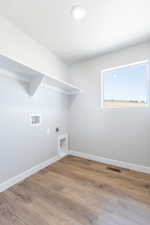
column 57, row 129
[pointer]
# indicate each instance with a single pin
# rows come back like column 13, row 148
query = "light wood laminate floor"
column 77, row 191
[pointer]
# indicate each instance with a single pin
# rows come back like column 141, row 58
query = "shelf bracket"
column 34, row 84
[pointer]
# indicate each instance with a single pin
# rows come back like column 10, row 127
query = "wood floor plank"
column 76, row 191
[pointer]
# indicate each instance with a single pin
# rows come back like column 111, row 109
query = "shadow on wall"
column 24, row 85
column 71, row 100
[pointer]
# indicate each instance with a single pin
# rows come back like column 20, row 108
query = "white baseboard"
column 14, row 180
column 126, row 165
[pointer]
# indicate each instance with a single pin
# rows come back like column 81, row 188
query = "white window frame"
column 124, row 66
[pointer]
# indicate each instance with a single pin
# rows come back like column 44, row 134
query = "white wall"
column 120, row 134
column 20, row 47
column 21, row 145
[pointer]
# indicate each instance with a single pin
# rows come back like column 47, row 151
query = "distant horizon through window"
column 126, row 86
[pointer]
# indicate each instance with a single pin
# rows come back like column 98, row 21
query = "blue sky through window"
column 127, row 83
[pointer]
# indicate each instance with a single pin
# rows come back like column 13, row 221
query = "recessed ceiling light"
column 78, row 13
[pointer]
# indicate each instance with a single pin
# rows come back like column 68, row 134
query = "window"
column 126, row 86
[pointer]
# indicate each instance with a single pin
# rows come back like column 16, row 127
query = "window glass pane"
column 125, row 87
